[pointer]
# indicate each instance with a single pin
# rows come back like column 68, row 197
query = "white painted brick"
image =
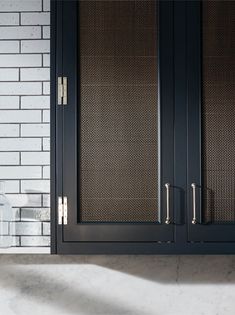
column 35, row 158
column 34, row 74
column 9, row 102
column 45, row 214
column 46, row 228
column 35, row 130
column 35, row 46
column 15, row 241
column 26, row 177
column 25, row 200
column 20, row 172
column 39, row 186
column 26, row 228
column 9, row 158
column 15, row 214
column 35, row 101
column 35, row 241
column 9, row 19
column 4, row 228
column 11, row 130
column 46, row 60
column 35, row 214
column 46, row 171
column 20, row 32
column 20, row 116
column 20, row 5
column 20, row 144
column 46, row 144
column 9, row 47
column 46, row 88
column 20, row 60
column 9, row 74
column 20, row 88
column 46, row 5
column 46, row 116
column 41, row 18
column 5, row 239
column 11, row 186
column 46, row 200
column 46, row 31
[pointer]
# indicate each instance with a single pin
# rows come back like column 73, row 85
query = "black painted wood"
column 180, row 100
column 201, row 231
column 180, row 122
column 68, row 125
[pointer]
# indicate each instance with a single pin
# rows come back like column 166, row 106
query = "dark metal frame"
column 185, row 96
column 198, row 232
column 116, row 232
column 65, row 119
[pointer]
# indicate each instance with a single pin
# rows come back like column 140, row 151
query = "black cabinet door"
column 211, row 121
column 114, row 138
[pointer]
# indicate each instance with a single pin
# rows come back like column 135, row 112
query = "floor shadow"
column 163, row 269
column 55, row 291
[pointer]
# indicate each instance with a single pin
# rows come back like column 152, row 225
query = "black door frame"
column 66, row 140
column 181, row 197
column 199, row 231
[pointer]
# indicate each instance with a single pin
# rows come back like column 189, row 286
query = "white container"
column 5, row 218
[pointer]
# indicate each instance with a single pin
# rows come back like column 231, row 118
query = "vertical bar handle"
column 167, row 185
column 194, row 220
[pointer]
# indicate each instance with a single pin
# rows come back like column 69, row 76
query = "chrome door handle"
column 167, row 185
column 194, row 220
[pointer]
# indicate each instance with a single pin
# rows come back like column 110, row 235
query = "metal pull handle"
column 167, row 185
column 194, row 220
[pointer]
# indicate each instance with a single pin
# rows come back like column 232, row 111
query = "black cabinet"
column 142, row 127
column 211, row 121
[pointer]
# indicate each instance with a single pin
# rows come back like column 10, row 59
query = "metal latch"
column 62, row 210
column 62, row 90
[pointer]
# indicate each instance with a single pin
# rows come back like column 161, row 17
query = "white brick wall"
column 20, row 6
column 9, row 102
column 25, row 117
column 20, row 32
column 9, row 130
column 9, row 19
column 9, row 158
column 9, row 47
column 20, row 60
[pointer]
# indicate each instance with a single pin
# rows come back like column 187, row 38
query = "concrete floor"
column 110, row 285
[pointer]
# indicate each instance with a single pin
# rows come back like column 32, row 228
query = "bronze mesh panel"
column 218, row 111
column 119, row 111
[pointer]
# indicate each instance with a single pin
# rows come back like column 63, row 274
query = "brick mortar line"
column 41, row 195
column 24, row 54
column 22, row 25
column 24, row 81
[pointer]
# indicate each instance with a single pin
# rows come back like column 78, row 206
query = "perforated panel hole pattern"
column 218, row 111
column 119, row 111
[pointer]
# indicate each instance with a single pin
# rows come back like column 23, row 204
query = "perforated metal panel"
column 218, row 111
column 118, row 111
